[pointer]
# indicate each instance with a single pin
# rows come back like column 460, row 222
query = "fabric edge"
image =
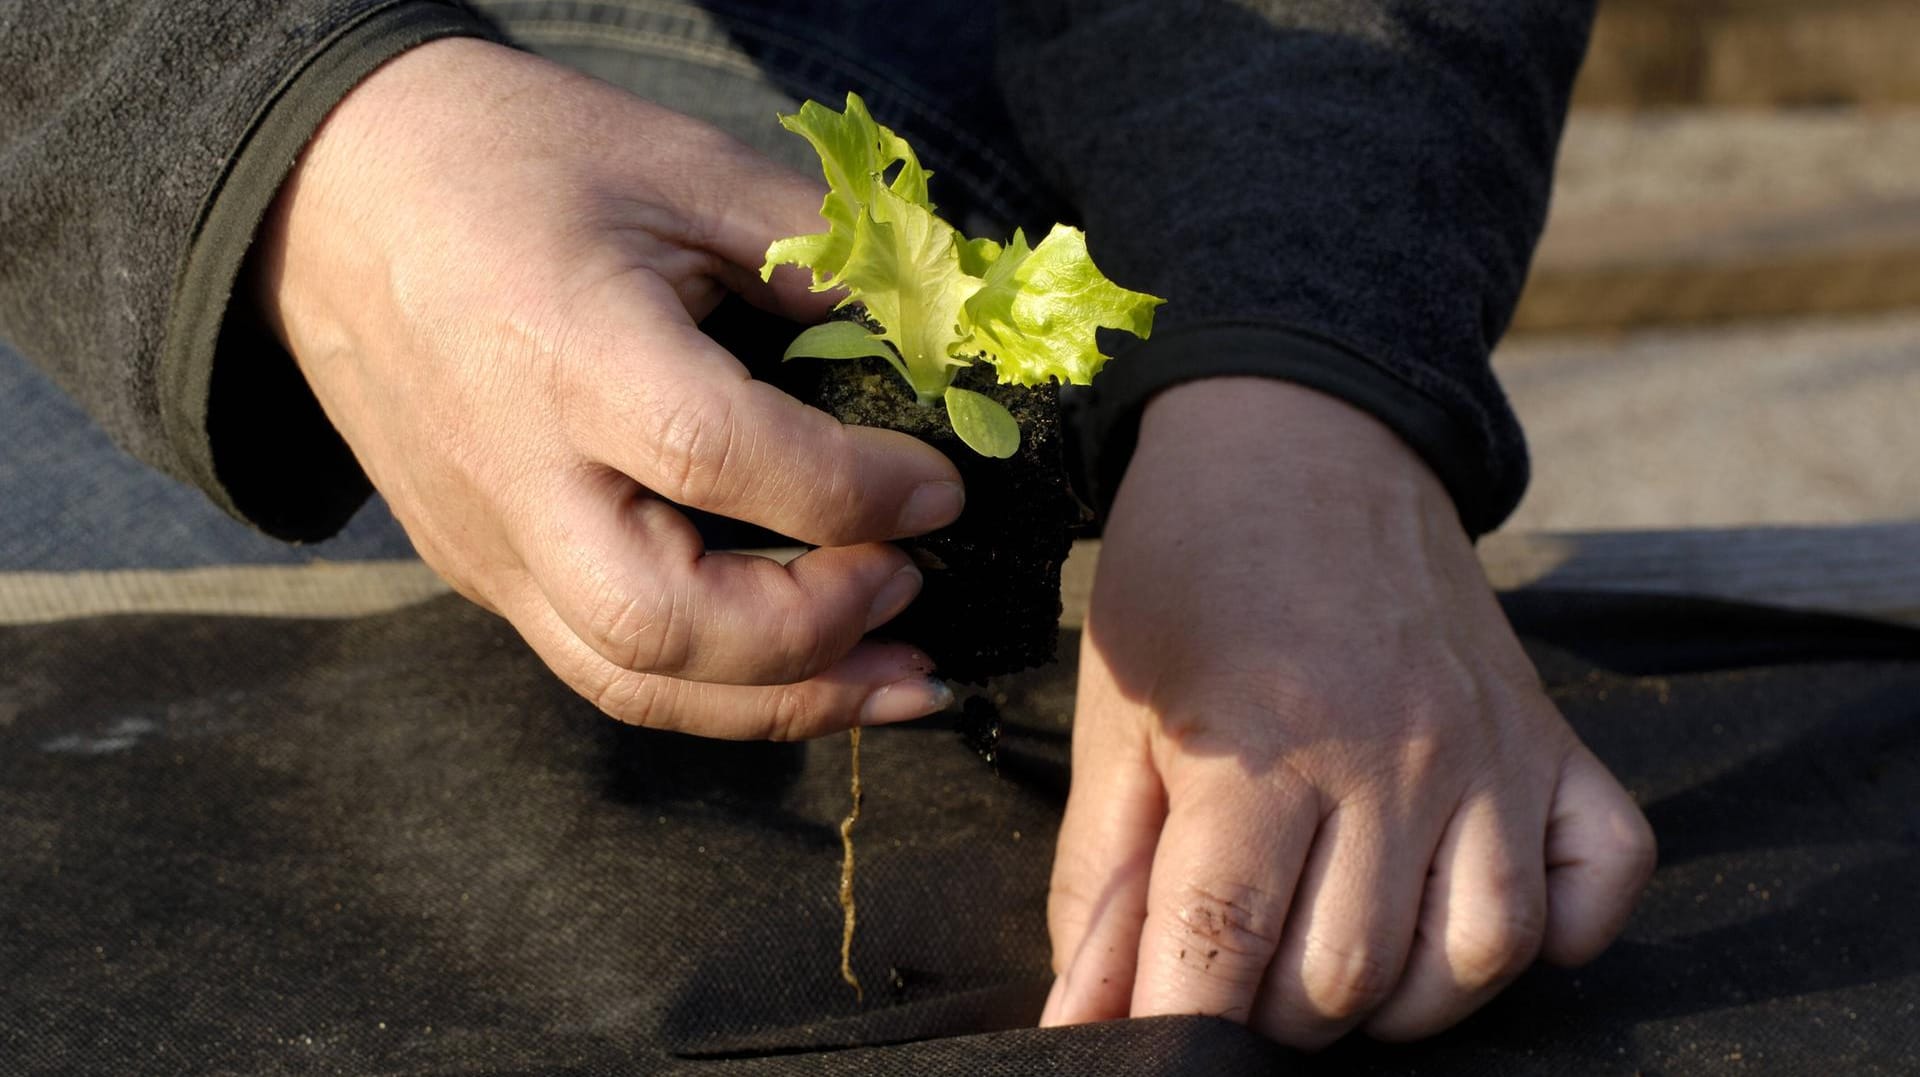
column 1108, row 419
column 232, row 214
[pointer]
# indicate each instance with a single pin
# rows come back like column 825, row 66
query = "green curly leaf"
column 855, row 155
column 905, row 266
column 1039, row 311
column 939, row 297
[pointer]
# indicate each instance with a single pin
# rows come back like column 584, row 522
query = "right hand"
column 1336, row 797
column 490, row 270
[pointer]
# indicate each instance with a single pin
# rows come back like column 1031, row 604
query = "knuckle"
column 1222, row 929
column 790, row 713
column 1425, row 753
column 807, row 645
column 696, row 451
column 1239, row 686
column 643, row 633
column 635, row 699
column 1500, row 947
column 1346, row 981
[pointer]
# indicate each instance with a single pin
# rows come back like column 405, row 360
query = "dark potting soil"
column 991, row 602
column 991, row 596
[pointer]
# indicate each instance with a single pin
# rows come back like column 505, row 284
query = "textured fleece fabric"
column 120, row 123
column 396, row 845
column 1345, row 193
column 1340, row 192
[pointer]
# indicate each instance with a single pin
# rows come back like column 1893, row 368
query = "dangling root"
column 846, row 878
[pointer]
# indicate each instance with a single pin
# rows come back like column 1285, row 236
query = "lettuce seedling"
column 942, row 300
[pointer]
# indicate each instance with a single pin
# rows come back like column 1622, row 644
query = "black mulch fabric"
column 395, row 845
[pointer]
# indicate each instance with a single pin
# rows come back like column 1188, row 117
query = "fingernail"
column 915, row 697
column 932, row 505
column 893, row 596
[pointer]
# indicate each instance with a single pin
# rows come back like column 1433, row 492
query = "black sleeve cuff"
column 233, row 402
column 1484, row 475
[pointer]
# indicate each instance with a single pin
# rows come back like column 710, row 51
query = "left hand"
column 490, row 270
column 1316, row 782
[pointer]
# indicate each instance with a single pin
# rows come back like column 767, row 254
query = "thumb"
column 789, row 293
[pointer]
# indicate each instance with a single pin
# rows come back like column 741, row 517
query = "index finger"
column 1224, row 876
column 674, row 411
column 629, row 575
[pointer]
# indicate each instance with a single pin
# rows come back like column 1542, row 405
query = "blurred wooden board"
column 1867, row 570
column 1870, row 570
column 1697, row 264
column 1711, row 215
column 1753, row 52
column 1806, row 422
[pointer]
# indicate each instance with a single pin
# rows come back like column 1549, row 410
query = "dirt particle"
column 979, row 727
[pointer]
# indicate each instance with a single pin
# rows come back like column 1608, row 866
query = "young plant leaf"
column 905, row 266
column 982, row 423
column 855, row 154
column 842, row 340
column 1037, row 314
column 940, row 298
column 978, row 255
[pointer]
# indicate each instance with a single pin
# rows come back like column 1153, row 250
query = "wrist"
column 317, row 250
column 1284, row 437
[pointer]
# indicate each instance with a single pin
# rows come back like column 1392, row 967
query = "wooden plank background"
column 1753, row 53
column 1734, row 159
column 1868, row 570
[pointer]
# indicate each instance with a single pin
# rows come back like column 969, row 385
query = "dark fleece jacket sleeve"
column 1343, row 193
column 141, row 142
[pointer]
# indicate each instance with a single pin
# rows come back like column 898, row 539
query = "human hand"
column 1316, row 783
column 490, row 270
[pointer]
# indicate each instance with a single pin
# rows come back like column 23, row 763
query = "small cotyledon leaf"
column 982, row 423
column 841, row 340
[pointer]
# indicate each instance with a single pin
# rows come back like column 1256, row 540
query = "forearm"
column 140, row 143
column 1343, row 194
